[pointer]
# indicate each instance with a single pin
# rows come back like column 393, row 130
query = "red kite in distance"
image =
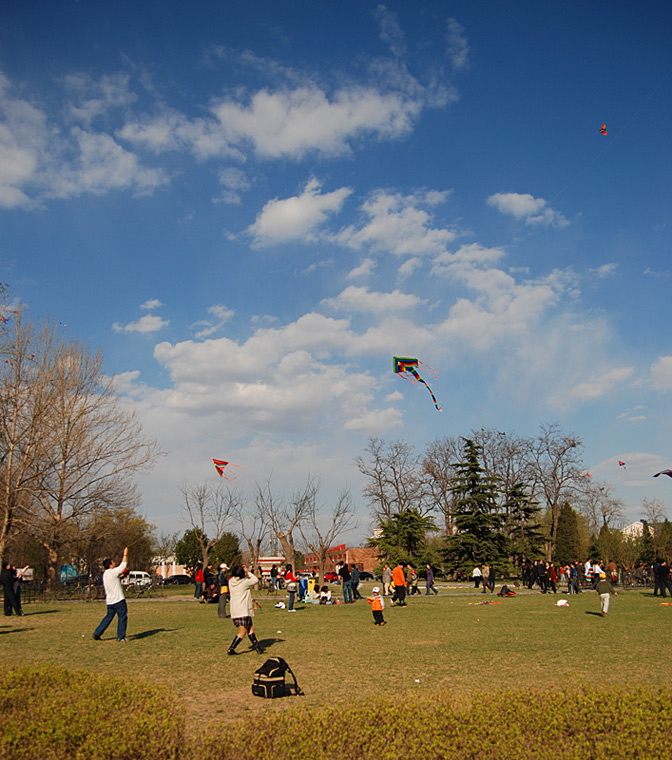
column 603, row 129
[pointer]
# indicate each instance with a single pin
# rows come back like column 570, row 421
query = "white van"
column 137, row 578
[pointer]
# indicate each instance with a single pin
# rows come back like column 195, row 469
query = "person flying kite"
column 221, row 466
column 407, row 367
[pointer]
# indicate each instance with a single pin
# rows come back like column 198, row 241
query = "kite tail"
column 436, row 403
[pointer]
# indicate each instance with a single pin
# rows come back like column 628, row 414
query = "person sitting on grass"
column 325, row 595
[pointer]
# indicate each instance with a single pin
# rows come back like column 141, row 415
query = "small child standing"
column 604, row 589
column 377, row 606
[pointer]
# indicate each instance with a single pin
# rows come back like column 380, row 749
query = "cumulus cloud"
column 363, row 270
column 296, row 217
column 599, row 385
column 221, row 315
column 661, row 373
column 95, row 97
column 147, row 324
column 152, row 303
column 361, row 299
column 234, row 181
column 399, row 224
column 533, row 211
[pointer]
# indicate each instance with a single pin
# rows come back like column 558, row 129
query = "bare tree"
column 557, row 469
column 253, row 529
column 89, row 448
column 395, row 478
column 282, row 518
column 599, row 506
column 208, row 509
column 654, row 512
column 439, row 466
column 318, row 534
column 25, row 393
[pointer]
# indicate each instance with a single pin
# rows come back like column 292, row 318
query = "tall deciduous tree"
column 321, row 527
column 25, row 400
column 208, row 509
column 438, row 464
column 558, row 472
column 394, row 478
column 69, row 448
column 284, row 518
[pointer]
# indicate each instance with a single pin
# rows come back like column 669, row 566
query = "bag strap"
column 297, row 689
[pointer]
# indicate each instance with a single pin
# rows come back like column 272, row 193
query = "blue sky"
column 251, row 207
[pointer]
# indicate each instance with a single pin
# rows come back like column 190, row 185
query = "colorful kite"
column 664, row 472
column 221, row 466
column 407, row 367
column 622, row 464
column 603, row 129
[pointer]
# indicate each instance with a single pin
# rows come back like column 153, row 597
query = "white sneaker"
column 291, row 610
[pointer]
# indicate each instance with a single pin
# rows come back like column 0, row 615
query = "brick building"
column 365, row 558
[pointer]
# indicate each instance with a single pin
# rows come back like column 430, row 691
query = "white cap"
column 376, row 590
column 223, row 566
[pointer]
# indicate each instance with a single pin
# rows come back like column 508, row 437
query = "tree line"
column 70, row 450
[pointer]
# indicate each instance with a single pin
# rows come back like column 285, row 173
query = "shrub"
column 571, row 724
column 53, row 714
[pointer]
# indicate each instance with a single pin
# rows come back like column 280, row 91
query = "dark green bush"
column 53, row 714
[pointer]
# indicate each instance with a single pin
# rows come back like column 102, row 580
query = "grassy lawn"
column 340, row 657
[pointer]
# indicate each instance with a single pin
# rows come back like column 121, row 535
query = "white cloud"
column 399, row 224
column 234, row 181
column 361, row 299
column 457, row 47
column 291, row 123
column 363, row 270
column 390, row 32
column 152, row 303
column 206, row 327
column 296, row 217
column 661, row 373
column 533, row 211
column 606, row 270
column 599, row 385
column 147, row 324
column 97, row 96
column 101, row 165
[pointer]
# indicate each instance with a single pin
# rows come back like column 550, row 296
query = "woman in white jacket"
column 241, row 606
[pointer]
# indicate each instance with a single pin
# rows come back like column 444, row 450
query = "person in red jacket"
column 199, row 577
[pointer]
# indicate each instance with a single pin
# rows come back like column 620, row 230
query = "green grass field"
column 447, row 642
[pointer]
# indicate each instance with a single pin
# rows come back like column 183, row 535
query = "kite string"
column 613, row 140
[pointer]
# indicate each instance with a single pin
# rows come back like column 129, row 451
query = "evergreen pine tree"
column 568, row 537
column 479, row 538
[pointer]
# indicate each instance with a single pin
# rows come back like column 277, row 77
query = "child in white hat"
column 377, row 606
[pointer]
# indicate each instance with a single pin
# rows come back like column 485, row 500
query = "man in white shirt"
column 114, row 598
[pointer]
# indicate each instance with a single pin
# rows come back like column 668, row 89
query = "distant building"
column 636, row 530
column 365, row 558
column 165, row 566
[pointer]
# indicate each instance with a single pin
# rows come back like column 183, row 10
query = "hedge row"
column 54, row 714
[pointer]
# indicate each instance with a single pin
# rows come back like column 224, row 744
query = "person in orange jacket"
column 377, row 606
column 399, row 583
